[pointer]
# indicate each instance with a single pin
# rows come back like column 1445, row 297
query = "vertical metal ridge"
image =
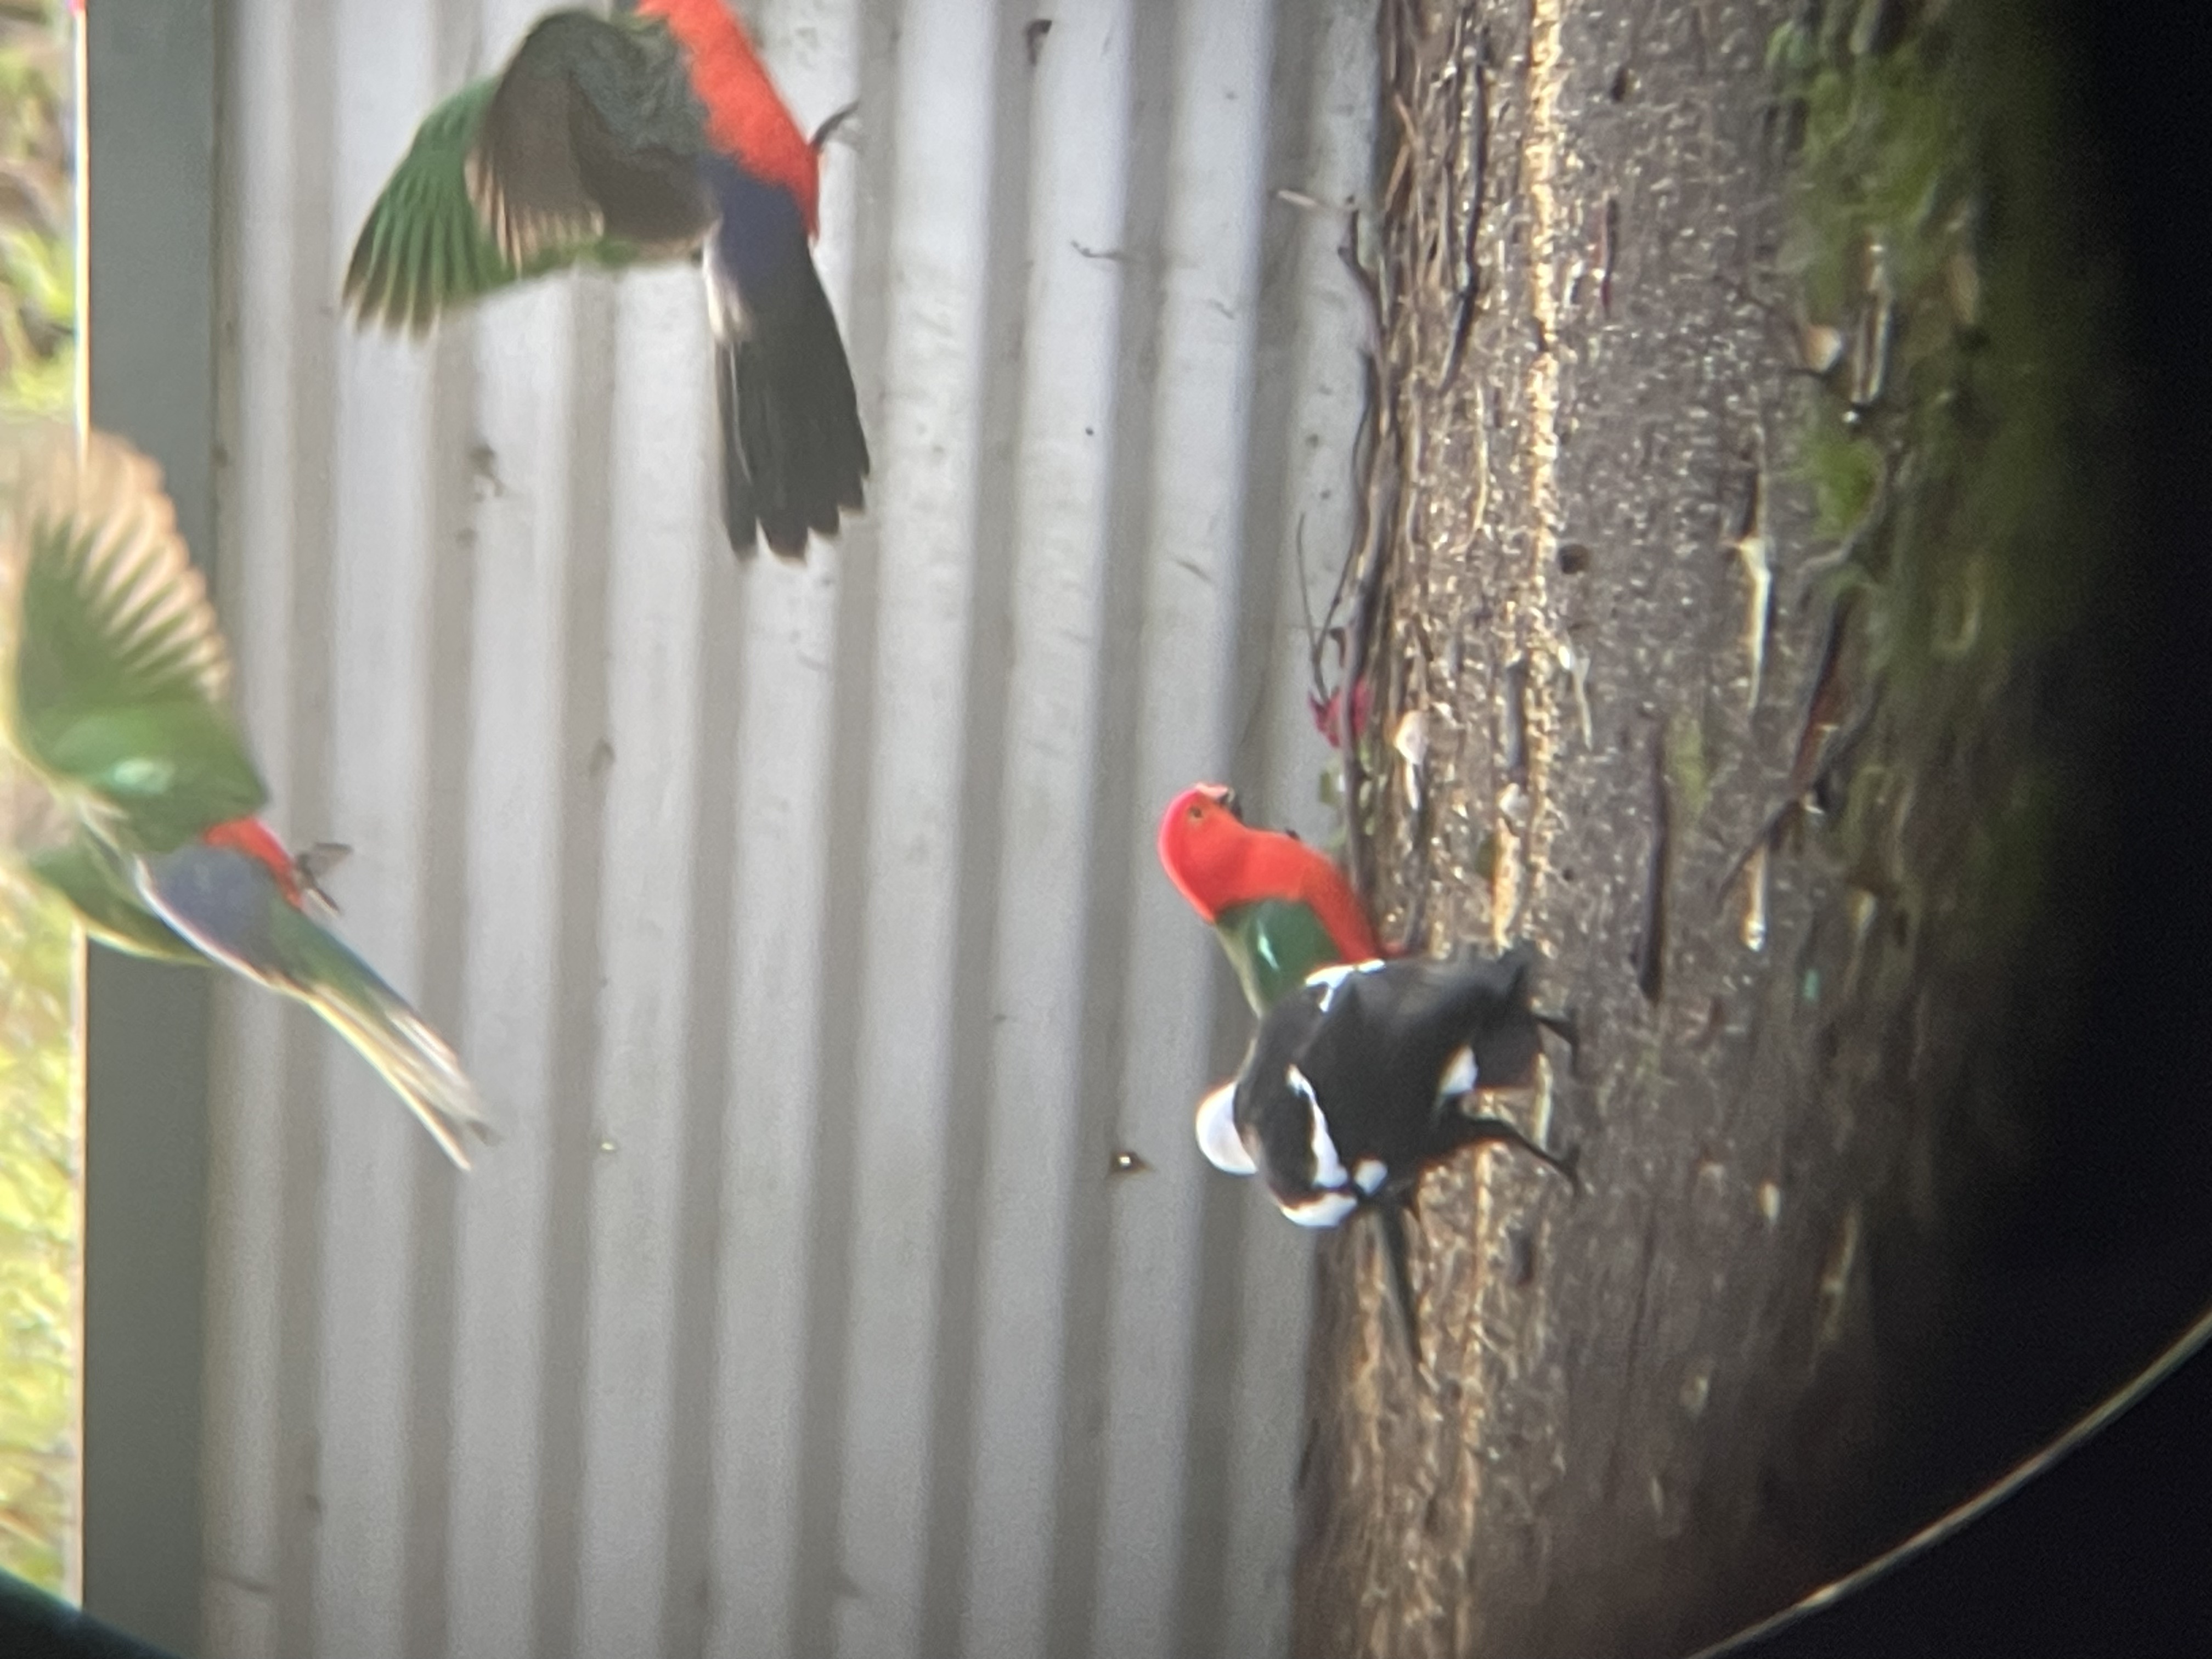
column 814, row 1562
column 569, row 1129
column 1220, row 1336
column 520, row 488
column 1100, row 1038
column 658, row 589
column 688, row 1592
column 444, row 931
column 1202, row 1546
column 970, row 1070
column 1061, row 483
column 312, row 417
column 687, row 1365
column 239, row 1482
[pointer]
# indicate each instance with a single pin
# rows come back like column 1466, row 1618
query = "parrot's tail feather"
column 794, row 457
column 229, row 904
column 415, row 1061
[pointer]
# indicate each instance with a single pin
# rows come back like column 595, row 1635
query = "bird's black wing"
column 592, row 132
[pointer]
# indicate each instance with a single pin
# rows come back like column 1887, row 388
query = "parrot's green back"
column 120, row 693
column 1273, row 943
column 423, row 249
column 87, row 873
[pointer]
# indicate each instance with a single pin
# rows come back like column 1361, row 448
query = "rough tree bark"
column 1700, row 660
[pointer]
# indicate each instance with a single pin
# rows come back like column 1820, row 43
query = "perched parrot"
column 129, row 788
column 1357, row 1082
column 1282, row 909
column 649, row 134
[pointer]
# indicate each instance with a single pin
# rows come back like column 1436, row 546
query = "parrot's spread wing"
column 425, row 246
column 121, row 678
column 422, row 248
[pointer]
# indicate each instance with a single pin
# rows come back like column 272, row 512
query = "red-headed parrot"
column 132, row 793
column 1281, row 909
column 649, row 134
column 1357, row 1081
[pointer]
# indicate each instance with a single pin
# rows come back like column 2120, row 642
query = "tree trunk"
column 1726, row 613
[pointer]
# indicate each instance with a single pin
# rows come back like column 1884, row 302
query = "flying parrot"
column 129, row 787
column 1357, row 1081
column 1280, row 908
column 653, row 134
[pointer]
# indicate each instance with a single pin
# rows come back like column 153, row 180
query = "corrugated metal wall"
column 803, row 924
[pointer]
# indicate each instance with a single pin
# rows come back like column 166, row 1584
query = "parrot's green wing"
column 91, row 876
column 581, row 148
column 423, row 248
column 1273, row 943
column 121, row 679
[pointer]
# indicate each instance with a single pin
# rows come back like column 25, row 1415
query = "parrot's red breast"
column 745, row 116
column 1218, row 862
column 256, row 841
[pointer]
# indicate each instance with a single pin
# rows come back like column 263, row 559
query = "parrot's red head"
column 256, row 841
column 1218, row 862
column 1201, row 842
column 744, row 114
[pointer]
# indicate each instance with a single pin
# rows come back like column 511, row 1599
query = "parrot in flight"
column 1280, row 908
column 649, row 134
column 1357, row 1081
column 125, row 778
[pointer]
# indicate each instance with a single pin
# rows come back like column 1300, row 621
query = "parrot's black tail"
column 793, row 455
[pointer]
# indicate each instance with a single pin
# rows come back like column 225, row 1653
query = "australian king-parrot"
column 652, row 134
column 1280, row 908
column 127, row 783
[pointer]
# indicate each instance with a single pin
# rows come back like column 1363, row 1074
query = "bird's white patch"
column 1321, row 1210
column 1217, row 1138
column 1328, row 1168
column 1458, row 1077
column 1368, row 1175
column 141, row 774
column 726, row 309
column 1326, row 979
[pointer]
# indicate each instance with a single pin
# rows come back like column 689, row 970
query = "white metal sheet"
column 801, row 923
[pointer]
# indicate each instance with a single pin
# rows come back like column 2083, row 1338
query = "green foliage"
column 1965, row 448
column 38, row 257
column 40, row 1147
column 39, row 1232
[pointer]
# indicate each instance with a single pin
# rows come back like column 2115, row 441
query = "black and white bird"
column 1357, row 1081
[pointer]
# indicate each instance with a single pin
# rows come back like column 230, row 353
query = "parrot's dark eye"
column 1197, row 811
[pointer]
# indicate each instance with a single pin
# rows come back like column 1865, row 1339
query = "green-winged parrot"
column 653, row 134
column 130, row 788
